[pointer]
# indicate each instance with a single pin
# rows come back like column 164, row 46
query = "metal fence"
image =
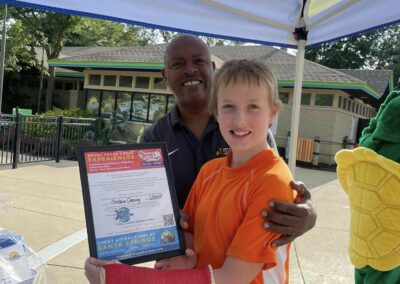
column 25, row 139
column 325, row 151
column 320, row 153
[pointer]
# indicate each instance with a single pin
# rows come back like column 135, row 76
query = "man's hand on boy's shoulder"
column 291, row 220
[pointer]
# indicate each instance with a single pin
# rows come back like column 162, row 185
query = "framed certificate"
column 131, row 209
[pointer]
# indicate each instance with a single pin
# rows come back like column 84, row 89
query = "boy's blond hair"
column 245, row 72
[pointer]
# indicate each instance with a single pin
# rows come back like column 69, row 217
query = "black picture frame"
column 96, row 243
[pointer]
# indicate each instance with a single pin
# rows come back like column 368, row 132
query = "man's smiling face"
column 188, row 70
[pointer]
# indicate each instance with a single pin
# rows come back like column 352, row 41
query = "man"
column 193, row 136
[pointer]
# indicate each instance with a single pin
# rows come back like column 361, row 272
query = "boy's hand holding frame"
column 130, row 203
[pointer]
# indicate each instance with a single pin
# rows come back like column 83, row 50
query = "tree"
column 155, row 34
column 18, row 57
column 386, row 51
column 93, row 32
column 48, row 30
column 375, row 50
column 20, row 68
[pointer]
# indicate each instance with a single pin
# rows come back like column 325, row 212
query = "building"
column 128, row 81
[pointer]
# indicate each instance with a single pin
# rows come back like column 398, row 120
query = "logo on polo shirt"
column 222, row 151
column 172, row 152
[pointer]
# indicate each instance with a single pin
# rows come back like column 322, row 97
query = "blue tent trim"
column 147, row 25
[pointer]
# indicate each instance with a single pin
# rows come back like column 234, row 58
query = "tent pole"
column 294, row 130
column 3, row 54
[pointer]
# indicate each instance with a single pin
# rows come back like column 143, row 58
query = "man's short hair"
column 181, row 37
column 245, row 72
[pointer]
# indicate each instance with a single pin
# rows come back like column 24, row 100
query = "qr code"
column 169, row 219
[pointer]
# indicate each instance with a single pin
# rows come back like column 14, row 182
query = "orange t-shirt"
column 224, row 207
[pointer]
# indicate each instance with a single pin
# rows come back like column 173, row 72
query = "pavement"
column 45, row 206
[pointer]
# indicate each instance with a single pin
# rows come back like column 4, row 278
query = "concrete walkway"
column 46, row 208
column 320, row 256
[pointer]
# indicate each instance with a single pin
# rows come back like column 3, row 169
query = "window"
column 125, row 81
column 344, row 103
column 171, row 103
column 94, row 80
column 69, row 86
column 157, row 107
column 340, row 102
column 323, row 99
column 284, row 97
column 107, row 103
column 139, row 106
column 123, row 107
column 142, row 82
column 110, row 80
column 348, row 104
column 92, row 102
column 305, row 99
column 357, row 108
column 159, row 83
column 353, row 107
column 59, row 85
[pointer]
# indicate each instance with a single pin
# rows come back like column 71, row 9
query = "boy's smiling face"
column 244, row 116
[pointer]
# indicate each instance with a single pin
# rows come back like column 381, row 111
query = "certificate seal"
column 123, row 214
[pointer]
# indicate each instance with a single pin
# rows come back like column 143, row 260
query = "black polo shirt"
column 186, row 153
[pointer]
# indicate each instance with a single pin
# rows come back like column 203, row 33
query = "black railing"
column 26, row 139
column 323, row 151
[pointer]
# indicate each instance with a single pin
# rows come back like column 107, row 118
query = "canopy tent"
column 289, row 23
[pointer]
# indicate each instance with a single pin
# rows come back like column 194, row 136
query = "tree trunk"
column 49, row 91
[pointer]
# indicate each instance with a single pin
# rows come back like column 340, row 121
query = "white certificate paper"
column 131, row 205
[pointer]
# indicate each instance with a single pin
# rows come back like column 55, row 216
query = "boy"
column 229, row 193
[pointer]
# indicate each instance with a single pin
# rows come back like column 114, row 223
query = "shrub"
column 75, row 112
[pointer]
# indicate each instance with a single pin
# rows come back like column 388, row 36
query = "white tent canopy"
column 267, row 22
column 260, row 21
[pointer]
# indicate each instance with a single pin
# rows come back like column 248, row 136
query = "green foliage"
column 75, row 112
column 17, row 86
column 220, row 42
column 18, row 56
column 38, row 128
column 152, row 36
column 27, row 29
column 93, row 32
column 47, row 29
column 375, row 50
